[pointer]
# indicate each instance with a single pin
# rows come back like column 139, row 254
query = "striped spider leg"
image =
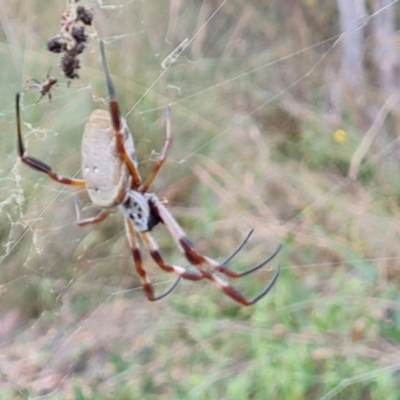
column 205, row 265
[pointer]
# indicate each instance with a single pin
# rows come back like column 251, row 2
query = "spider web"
column 266, row 131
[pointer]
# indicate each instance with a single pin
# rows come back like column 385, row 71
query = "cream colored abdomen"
column 105, row 173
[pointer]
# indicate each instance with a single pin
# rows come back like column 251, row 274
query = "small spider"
column 111, row 178
column 44, row 87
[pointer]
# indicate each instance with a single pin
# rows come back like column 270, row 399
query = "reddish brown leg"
column 156, row 256
column 101, row 216
column 116, row 123
column 145, row 187
column 147, row 286
column 34, row 162
column 235, row 294
column 194, row 257
column 221, row 284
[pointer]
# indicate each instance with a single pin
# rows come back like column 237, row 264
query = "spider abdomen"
column 104, row 171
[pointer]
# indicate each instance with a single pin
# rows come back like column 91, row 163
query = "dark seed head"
column 79, row 48
column 84, row 15
column 69, row 64
column 78, row 33
column 56, row 45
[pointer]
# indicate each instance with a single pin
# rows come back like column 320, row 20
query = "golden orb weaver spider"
column 111, row 178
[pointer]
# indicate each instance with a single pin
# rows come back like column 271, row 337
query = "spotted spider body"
column 139, row 208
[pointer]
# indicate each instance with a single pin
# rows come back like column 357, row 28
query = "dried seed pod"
column 72, row 38
column 84, row 15
column 56, row 45
column 69, row 64
column 79, row 49
column 78, row 33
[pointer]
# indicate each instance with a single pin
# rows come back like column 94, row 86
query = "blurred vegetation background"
column 285, row 119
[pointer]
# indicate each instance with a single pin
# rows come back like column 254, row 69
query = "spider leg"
column 200, row 261
column 101, row 216
column 147, row 286
column 240, row 247
column 233, row 274
column 145, row 187
column 156, row 256
column 229, row 290
column 48, row 73
column 41, row 97
column 116, row 123
column 194, row 257
column 34, row 162
column 35, row 84
column 236, row 295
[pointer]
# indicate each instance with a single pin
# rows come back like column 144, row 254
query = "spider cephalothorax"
column 111, row 178
column 140, row 209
